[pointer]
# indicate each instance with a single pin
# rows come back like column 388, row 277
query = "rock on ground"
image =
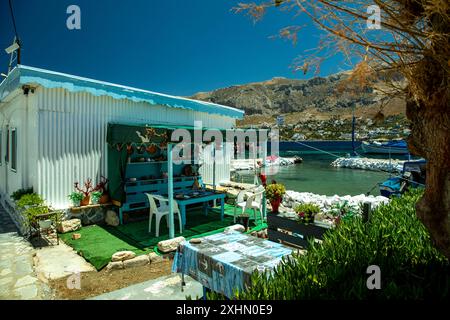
column 122, row 256
column 236, row 227
column 111, row 218
column 69, row 225
column 155, row 258
column 114, row 265
column 170, row 245
column 136, row 262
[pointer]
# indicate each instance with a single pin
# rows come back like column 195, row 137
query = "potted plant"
column 76, row 198
column 342, row 211
column 95, row 197
column 275, row 193
column 88, row 188
column 306, row 212
column 101, row 187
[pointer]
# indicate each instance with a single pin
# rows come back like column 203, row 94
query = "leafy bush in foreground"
column 32, row 199
column 393, row 239
column 21, row 192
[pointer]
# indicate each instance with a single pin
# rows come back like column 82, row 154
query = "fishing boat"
column 413, row 176
column 385, row 147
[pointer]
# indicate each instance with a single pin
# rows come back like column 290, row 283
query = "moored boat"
column 413, row 176
column 386, row 147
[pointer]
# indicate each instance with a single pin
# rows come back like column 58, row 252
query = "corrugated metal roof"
column 49, row 79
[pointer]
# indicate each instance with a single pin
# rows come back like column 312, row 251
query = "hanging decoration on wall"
column 163, row 144
column 141, row 149
column 129, row 148
column 152, row 149
column 119, row 146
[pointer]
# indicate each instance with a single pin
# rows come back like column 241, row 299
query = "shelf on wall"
column 164, row 179
column 147, row 162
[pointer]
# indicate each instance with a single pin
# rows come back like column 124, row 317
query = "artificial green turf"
column 98, row 243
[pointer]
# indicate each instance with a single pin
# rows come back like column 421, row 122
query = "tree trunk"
column 430, row 138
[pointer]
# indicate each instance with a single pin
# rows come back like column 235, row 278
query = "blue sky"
column 172, row 46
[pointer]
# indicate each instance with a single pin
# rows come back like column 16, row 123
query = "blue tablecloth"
column 224, row 262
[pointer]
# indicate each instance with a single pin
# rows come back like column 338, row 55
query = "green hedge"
column 393, row 239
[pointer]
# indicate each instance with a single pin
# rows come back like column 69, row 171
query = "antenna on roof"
column 14, row 52
column 14, row 49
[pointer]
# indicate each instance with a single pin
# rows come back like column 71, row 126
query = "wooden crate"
column 288, row 231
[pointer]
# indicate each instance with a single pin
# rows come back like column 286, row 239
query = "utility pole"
column 353, row 132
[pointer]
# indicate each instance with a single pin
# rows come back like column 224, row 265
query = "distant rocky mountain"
column 282, row 96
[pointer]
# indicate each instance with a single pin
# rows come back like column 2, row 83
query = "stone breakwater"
column 387, row 165
column 326, row 203
column 249, row 164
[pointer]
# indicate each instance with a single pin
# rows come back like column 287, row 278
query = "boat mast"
column 353, row 132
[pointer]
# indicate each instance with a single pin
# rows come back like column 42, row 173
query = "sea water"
column 316, row 175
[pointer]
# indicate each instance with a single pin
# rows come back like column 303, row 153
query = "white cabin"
column 53, row 128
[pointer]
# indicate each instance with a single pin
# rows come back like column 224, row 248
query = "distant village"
column 392, row 127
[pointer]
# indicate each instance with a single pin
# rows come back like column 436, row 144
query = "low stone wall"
column 127, row 259
column 326, row 203
column 249, row 164
column 16, row 215
column 386, row 165
column 88, row 215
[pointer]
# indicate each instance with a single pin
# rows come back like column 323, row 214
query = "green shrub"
column 21, row 192
column 32, row 212
column 344, row 210
column 306, row 211
column 393, row 239
column 32, row 199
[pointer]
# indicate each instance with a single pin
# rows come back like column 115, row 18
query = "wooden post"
column 170, row 190
column 214, row 167
column 214, row 171
column 367, row 206
column 264, row 154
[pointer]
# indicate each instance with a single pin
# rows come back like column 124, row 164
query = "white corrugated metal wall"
column 72, row 136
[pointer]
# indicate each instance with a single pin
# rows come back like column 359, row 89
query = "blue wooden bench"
column 135, row 198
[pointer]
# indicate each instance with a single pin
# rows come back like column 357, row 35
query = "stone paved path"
column 17, row 277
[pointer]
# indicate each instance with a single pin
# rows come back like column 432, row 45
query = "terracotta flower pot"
column 104, row 198
column 86, row 200
column 275, row 205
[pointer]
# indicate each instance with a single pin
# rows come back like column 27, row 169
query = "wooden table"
column 203, row 197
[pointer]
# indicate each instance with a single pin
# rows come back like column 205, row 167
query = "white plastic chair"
column 162, row 210
column 253, row 202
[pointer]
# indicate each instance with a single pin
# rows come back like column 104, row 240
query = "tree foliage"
column 411, row 53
